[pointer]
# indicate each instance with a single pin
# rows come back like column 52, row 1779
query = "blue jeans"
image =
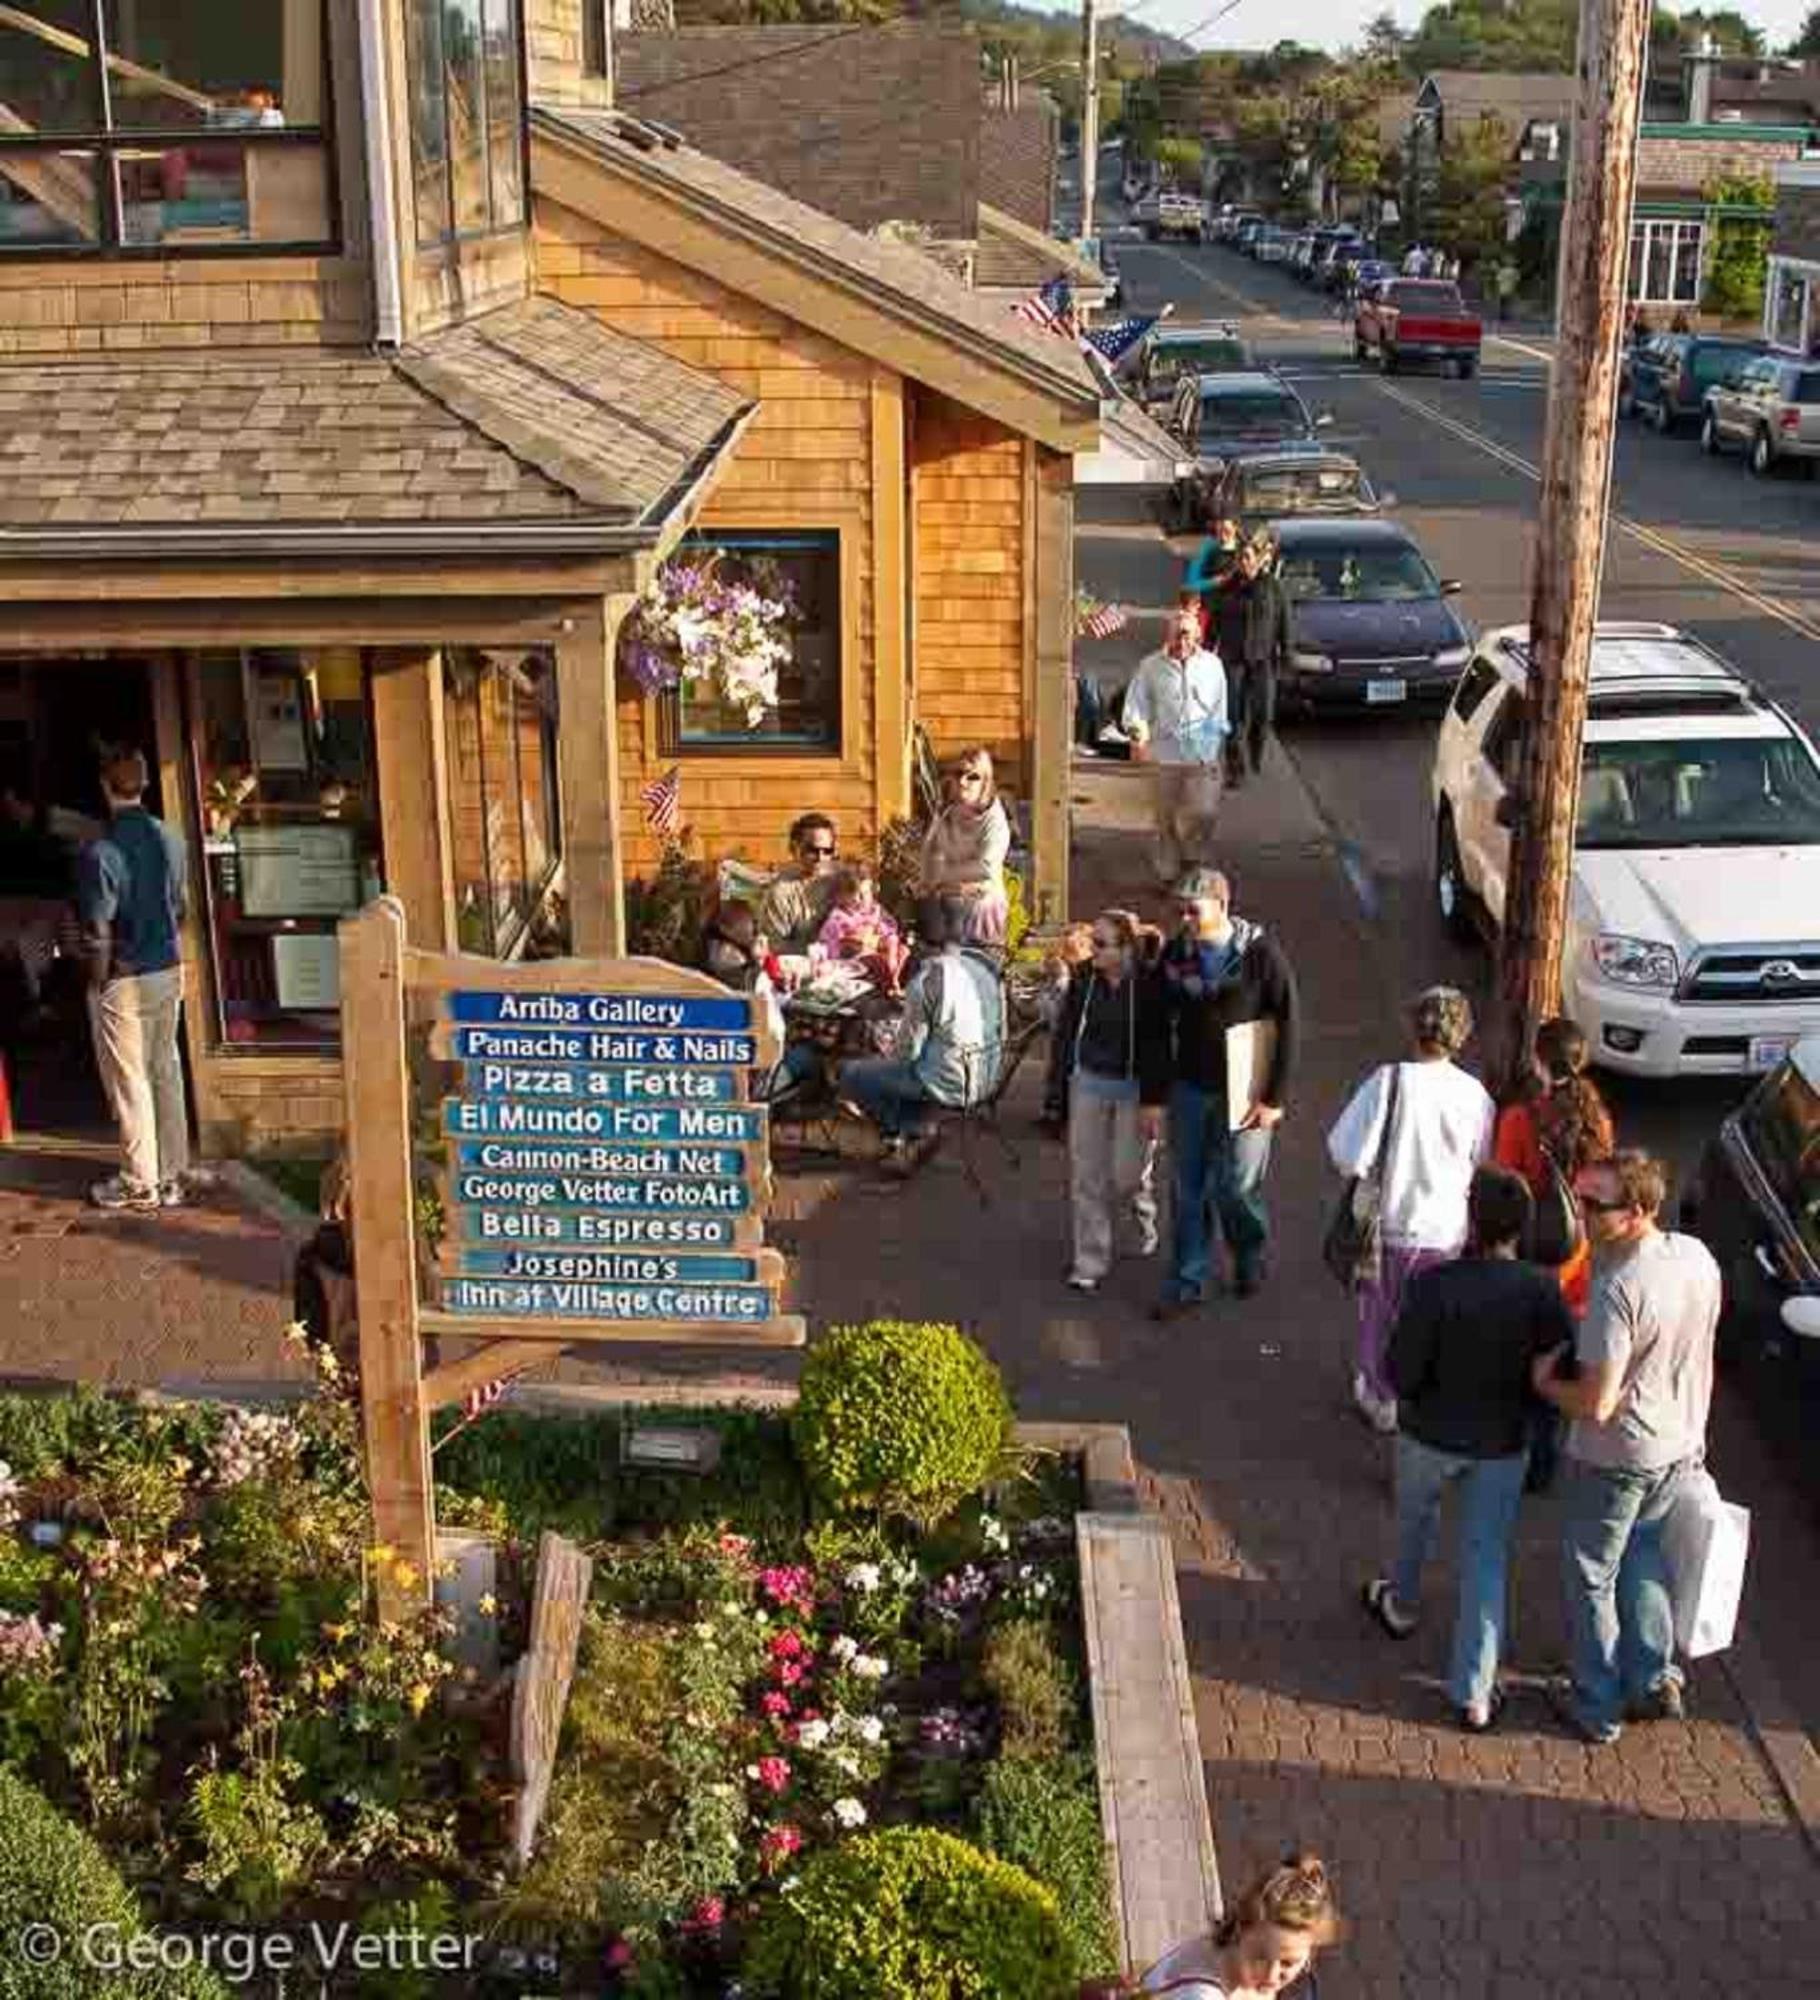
column 1219, row 1177
column 1620, row 1620
column 1490, row 1491
column 889, row 1092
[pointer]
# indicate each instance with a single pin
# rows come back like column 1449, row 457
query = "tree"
column 1674, row 35
column 1738, row 266
column 1465, row 210
column 1484, row 34
column 1180, row 161
column 1384, row 42
column 1807, row 43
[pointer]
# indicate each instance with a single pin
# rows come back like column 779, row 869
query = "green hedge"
column 55, row 1886
column 1044, row 1817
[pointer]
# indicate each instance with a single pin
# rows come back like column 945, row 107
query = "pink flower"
column 735, row 1545
column 707, row 1916
column 777, row 1844
column 789, row 1673
column 619, row 1955
column 774, row 1773
column 793, row 1587
column 786, row 1646
column 775, row 1705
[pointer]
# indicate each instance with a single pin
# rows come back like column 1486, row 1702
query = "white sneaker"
column 117, row 1193
column 1380, row 1412
column 1079, row 1281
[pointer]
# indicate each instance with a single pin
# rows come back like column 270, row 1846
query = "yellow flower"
column 297, row 1334
column 488, row 1606
column 336, row 1633
column 180, row 1468
column 406, row 1575
column 419, row 1697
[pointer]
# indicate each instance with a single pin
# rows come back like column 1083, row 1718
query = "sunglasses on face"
column 820, row 853
column 1595, row 1205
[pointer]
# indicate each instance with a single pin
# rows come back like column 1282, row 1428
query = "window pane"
column 1687, row 263
column 594, row 37
column 429, row 125
column 499, row 720
column 47, row 197
column 288, row 802
column 44, row 87
column 534, row 726
column 504, row 826
column 503, row 137
column 802, row 572
column 461, row 53
column 1791, row 308
column 1661, row 264
column 1634, row 284
column 216, row 64
column 221, row 191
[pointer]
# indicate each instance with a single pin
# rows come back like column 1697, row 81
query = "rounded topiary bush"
column 65, row 1914
column 906, row 1914
column 900, row 1417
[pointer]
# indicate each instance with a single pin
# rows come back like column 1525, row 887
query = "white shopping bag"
column 1705, row 1541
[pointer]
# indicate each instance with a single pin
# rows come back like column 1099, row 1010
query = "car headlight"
column 1453, row 656
column 1310, row 663
column 1630, row 961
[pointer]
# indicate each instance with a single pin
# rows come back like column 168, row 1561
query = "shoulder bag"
column 1353, row 1248
column 1556, row 1230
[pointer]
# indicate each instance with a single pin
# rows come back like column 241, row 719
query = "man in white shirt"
column 1175, row 714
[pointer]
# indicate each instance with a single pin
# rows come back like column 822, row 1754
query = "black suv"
column 1670, row 374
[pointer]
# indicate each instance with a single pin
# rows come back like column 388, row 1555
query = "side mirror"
column 1451, row 586
column 1802, row 1316
column 1507, row 809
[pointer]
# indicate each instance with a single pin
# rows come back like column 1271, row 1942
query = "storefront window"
column 803, row 572
column 1788, row 308
column 467, row 101
column 1665, row 262
column 499, row 715
column 205, row 116
column 287, row 797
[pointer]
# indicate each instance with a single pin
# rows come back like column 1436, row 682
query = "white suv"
column 1693, row 943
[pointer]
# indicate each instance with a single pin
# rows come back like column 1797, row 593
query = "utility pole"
column 1571, row 521
column 1090, row 112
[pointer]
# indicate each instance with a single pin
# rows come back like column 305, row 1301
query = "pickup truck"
column 1416, row 319
column 1178, row 215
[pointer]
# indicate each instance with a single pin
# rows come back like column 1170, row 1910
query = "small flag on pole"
column 662, row 800
column 1115, row 341
column 1051, row 308
column 1096, row 620
column 483, row 1398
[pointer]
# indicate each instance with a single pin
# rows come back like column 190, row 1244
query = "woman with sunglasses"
column 1263, row 1944
column 1109, row 1051
column 965, row 849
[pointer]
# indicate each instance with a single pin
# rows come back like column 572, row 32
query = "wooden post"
column 1576, row 492
column 1050, row 494
column 1090, row 113
column 385, row 1248
column 587, row 749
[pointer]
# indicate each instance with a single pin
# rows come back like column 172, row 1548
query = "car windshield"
column 1260, row 414
column 1781, row 1123
column 1197, row 357
column 1441, row 300
column 1303, row 489
column 1738, row 791
column 1385, row 573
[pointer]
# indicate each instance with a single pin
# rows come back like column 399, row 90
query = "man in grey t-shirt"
column 1638, row 1402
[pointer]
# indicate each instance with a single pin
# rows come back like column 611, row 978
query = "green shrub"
column 52, row 1874
column 902, row 1418
column 1033, row 1687
column 907, row 1914
column 1045, row 1819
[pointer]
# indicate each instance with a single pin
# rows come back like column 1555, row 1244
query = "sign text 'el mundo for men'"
column 605, row 1160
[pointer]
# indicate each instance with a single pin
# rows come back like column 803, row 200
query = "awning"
column 1134, row 449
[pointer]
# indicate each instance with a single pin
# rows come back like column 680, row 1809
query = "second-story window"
column 134, row 125
column 467, row 140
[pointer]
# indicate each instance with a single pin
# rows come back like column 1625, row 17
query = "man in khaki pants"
column 1175, row 715
column 130, row 896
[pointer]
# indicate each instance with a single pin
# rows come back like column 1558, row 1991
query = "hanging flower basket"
column 701, row 631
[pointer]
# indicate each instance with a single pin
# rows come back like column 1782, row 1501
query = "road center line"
column 1651, row 538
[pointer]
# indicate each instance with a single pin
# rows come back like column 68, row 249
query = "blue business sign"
column 582, row 1298
column 610, row 1267
column 546, row 1046
column 657, row 1013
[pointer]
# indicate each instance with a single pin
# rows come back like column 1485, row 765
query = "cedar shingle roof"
column 535, row 413
column 888, row 275
column 1017, row 160
column 1517, row 98
column 872, row 124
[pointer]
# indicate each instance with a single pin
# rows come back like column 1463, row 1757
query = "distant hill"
column 1136, row 44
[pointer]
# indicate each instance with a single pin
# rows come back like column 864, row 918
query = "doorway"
column 58, row 716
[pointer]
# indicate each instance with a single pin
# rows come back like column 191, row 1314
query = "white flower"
column 865, row 1578
column 867, row 1728
column 843, row 1648
column 848, row 1813
column 906, row 1575
column 813, row 1734
column 993, row 1533
column 869, row 1667
column 846, row 1762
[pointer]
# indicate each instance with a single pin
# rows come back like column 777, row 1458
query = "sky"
column 1332, row 24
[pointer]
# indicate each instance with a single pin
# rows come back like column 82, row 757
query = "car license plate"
column 1386, row 691
column 1766, row 1051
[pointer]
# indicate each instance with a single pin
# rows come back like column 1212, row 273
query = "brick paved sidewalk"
column 1520, row 1863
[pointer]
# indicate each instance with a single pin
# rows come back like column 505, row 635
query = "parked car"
column 1670, row 374
column 1274, row 485
column 1770, row 408
column 1301, row 253
column 1175, row 350
column 1242, row 236
column 1370, row 622
column 1232, row 220
column 1146, row 210
column 1272, row 246
column 1694, row 918
column 1217, row 418
column 1179, row 217
column 1755, row 1201
column 1416, row 319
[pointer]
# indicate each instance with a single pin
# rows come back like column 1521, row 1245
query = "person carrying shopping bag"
column 1109, row 1051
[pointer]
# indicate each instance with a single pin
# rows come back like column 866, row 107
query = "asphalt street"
column 1695, row 542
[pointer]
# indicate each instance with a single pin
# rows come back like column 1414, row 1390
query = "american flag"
column 483, row 1398
column 1050, row 308
column 1094, row 620
column 1114, row 342
column 662, row 801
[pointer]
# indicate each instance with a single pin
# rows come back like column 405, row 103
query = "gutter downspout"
column 388, row 293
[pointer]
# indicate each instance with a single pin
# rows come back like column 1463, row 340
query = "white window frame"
column 1798, row 271
column 1662, row 237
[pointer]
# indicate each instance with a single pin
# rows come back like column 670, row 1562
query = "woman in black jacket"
column 1110, row 1050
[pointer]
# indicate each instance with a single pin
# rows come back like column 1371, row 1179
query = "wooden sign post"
column 606, row 1176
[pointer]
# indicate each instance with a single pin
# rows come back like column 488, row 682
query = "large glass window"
column 287, row 798
column 1788, row 309
column 467, row 101
column 801, row 571
column 499, row 718
column 1665, row 259
column 183, row 122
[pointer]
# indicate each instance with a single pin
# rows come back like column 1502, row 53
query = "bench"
column 1153, row 1792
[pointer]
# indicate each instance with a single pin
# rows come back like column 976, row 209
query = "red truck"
column 1416, row 319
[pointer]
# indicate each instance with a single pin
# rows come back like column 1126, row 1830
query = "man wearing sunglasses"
column 1638, row 1403
column 800, row 896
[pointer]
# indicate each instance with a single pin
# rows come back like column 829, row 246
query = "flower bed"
column 787, row 1684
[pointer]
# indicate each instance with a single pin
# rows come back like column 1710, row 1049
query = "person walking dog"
column 1175, row 714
